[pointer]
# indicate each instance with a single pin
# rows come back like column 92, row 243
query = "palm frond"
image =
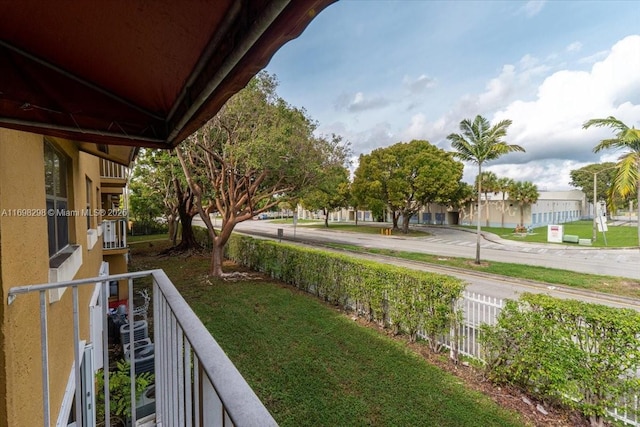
column 605, row 144
column 626, row 179
column 610, row 121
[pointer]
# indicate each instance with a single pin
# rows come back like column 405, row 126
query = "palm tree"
column 489, row 180
column 525, row 193
column 478, row 143
column 627, row 179
column 502, row 186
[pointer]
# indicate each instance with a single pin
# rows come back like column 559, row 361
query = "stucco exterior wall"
column 551, row 208
column 118, row 265
column 24, row 259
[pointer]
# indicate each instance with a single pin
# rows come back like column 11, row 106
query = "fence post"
column 453, row 332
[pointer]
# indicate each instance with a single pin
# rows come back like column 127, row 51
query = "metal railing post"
column 45, row 359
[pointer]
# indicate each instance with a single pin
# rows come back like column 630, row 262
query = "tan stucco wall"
column 118, row 265
column 24, row 259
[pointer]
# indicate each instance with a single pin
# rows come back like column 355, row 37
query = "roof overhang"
column 133, row 73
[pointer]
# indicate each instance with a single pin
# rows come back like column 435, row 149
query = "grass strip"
column 608, row 284
column 619, row 236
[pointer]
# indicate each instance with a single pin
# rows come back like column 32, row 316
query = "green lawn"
column 617, row 236
column 313, row 366
column 147, row 237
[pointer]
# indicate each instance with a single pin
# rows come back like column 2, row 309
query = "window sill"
column 63, row 267
column 92, row 238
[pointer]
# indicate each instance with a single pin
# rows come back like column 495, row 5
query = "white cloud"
column 362, row 142
column 533, row 7
column 358, row 102
column 419, row 85
column 574, row 47
column 592, row 59
column 420, row 128
column 551, row 125
column 548, row 174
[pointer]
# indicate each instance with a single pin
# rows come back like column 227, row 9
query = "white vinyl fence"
column 477, row 309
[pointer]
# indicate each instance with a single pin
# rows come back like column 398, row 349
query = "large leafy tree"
column 374, row 193
column 406, row 176
column 502, row 186
column 525, row 193
column 479, row 143
column 464, row 195
column 583, row 179
column 488, row 185
column 256, row 153
column 152, row 188
column 332, row 189
column 627, row 178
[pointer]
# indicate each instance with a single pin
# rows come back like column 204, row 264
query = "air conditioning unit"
column 109, row 231
column 145, row 364
column 142, row 342
column 140, row 331
column 143, row 348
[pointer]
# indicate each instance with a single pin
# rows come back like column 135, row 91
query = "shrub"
column 119, row 390
column 585, row 356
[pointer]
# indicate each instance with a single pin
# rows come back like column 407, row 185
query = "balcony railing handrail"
column 109, row 169
column 240, row 405
column 25, row 289
column 245, row 409
column 114, row 233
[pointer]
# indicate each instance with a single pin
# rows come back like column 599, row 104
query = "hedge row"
column 585, row 356
column 404, row 299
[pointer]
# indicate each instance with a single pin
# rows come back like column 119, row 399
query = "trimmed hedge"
column 585, row 356
column 405, row 299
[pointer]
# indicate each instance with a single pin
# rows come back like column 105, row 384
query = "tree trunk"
column 172, row 221
column 188, row 240
column 502, row 214
column 405, row 224
column 394, row 218
column 486, row 202
column 522, row 214
column 479, row 210
column 186, row 212
column 216, row 258
column 638, row 203
column 356, row 217
column 326, row 218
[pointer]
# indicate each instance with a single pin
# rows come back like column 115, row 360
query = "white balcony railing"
column 195, row 382
column 109, row 169
column 114, row 233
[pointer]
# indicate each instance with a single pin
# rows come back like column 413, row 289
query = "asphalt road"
column 456, row 243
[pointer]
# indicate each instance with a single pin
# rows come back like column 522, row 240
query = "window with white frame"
column 88, row 204
column 55, row 175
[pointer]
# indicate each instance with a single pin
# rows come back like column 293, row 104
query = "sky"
column 382, row 72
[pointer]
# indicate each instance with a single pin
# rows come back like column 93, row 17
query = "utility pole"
column 595, row 194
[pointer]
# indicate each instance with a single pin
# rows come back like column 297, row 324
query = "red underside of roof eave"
column 39, row 97
column 288, row 26
column 35, row 98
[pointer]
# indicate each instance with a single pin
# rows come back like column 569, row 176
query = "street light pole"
column 595, row 195
column 595, row 192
